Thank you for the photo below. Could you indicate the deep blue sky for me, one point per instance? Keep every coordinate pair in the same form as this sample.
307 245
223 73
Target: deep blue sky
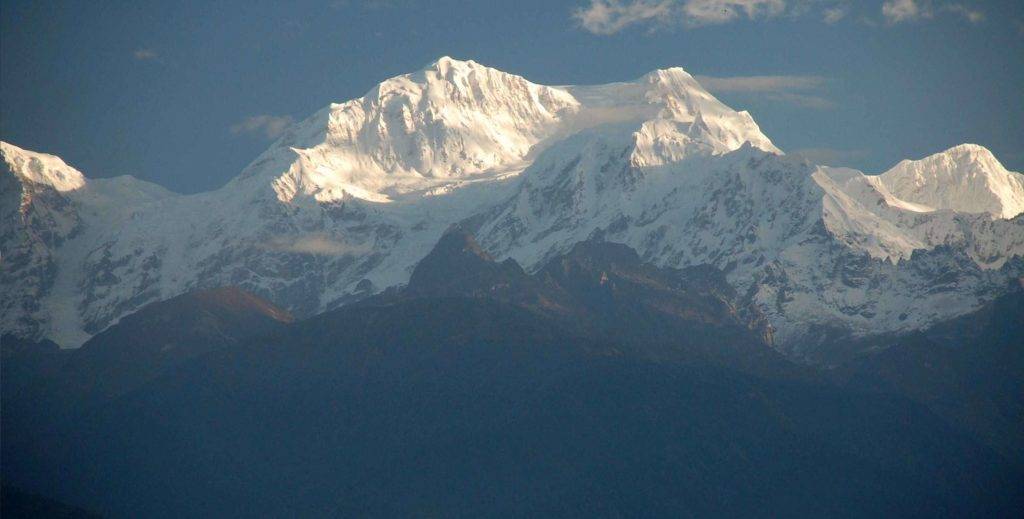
154 88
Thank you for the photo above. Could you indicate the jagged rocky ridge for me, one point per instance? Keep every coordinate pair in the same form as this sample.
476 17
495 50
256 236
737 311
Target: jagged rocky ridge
345 203
603 292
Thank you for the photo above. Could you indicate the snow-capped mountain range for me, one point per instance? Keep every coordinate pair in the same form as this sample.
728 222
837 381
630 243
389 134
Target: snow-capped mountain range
346 202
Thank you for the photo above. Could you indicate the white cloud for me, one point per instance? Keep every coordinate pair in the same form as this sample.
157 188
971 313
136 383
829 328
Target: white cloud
611 16
799 91
605 17
270 126
145 54
899 11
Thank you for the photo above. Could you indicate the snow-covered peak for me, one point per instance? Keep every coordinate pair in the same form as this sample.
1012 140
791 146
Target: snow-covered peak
456 121
452 120
673 112
676 85
684 99
41 168
966 178
446 64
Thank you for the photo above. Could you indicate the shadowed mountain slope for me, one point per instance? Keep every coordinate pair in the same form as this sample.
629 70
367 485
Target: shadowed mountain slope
483 390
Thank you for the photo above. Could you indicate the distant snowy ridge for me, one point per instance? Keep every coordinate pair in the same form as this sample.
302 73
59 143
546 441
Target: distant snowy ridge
459 120
346 202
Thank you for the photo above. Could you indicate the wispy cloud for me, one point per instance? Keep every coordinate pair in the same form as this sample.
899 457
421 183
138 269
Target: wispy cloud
606 17
611 16
833 15
810 101
800 91
142 54
903 11
760 83
900 11
269 126
830 156
316 244
970 14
